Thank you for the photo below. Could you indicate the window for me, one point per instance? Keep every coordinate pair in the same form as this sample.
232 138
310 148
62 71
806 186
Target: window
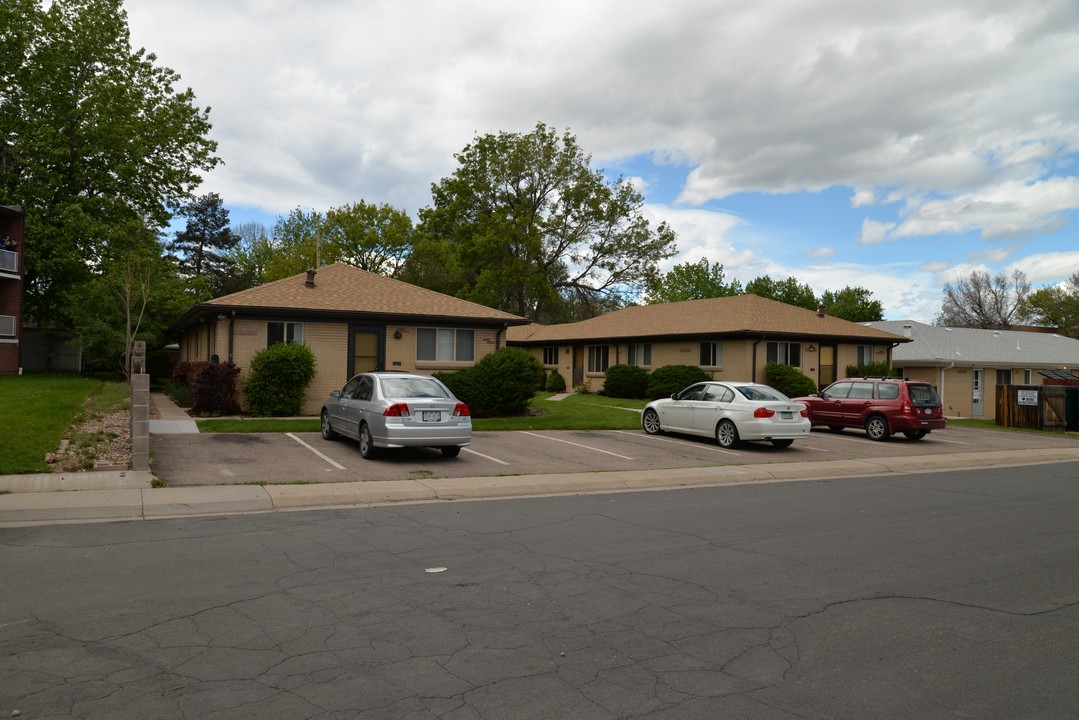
599 357
861 390
711 354
1004 377
865 354
1026 377
445 344
550 356
888 391
284 332
640 354
785 353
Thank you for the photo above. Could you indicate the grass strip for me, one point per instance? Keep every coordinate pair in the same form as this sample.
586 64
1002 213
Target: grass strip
36 411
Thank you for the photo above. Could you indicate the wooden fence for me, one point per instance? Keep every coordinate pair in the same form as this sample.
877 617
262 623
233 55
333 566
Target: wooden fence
1040 407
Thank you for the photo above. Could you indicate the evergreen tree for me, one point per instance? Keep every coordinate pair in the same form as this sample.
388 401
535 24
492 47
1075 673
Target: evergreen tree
202 249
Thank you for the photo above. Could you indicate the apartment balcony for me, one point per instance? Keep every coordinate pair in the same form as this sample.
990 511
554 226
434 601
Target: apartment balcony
9 262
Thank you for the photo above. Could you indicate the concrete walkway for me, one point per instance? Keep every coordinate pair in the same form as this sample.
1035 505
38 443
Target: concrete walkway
173 419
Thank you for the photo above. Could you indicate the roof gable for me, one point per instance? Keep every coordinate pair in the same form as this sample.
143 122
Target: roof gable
740 314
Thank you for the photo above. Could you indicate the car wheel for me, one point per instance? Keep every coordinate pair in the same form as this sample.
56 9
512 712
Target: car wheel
915 434
726 434
835 428
876 427
451 451
650 422
782 443
367 443
326 428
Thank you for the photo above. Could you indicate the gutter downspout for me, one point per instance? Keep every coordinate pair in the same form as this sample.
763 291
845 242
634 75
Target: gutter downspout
755 344
232 328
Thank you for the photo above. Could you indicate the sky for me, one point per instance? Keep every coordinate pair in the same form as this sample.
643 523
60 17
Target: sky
895 146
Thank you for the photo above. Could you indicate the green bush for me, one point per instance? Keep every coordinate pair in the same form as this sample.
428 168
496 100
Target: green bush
789 380
278 378
555 382
502 383
213 390
669 379
625 381
873 369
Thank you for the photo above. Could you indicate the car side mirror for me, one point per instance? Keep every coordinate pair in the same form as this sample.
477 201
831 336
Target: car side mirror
335 393
674 396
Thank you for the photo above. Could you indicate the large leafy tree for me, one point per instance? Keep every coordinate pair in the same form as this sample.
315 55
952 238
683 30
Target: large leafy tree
202 249
93 137
1057 306
788 291
692 281
376 238
295 244
249 257
526 225
852 303
983 301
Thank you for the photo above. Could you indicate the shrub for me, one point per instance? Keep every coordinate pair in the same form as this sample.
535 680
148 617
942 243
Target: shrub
669 379
625 381
789 380
278 378
183 374
502 383
555 382
213 390
873 369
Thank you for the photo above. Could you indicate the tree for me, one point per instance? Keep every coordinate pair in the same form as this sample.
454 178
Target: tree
692 281
852 303
981 301
201 249
249 258
376 238
93 136
294 244
533 230
1057 306
788 291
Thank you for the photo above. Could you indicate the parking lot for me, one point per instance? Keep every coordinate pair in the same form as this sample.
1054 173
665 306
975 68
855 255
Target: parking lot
217 459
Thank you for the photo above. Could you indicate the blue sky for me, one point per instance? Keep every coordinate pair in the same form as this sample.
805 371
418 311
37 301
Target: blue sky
893 146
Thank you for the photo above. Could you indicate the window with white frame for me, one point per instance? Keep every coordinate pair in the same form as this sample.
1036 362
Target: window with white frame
599 358
284 332
445 344
865 354
1026 377
640 354
550 356
711 354
785 353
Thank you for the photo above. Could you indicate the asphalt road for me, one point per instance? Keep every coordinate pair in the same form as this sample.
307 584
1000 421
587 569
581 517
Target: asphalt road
213 459
914 596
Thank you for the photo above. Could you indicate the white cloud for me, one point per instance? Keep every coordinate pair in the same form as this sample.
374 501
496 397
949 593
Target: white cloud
861 198
876 232
824 252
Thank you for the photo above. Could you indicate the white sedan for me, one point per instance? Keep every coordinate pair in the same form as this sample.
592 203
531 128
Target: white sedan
729 412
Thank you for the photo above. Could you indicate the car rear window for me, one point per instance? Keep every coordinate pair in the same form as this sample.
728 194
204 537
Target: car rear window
761 392
412 387
923 395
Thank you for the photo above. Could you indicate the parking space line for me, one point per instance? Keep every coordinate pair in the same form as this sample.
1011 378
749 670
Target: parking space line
486 457
331 462
586 447
953 442
679 442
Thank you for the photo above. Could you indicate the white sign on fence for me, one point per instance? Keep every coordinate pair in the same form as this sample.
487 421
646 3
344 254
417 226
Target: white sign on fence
1028 397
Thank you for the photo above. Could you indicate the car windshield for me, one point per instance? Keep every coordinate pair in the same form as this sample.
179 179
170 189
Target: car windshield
761 393
413 388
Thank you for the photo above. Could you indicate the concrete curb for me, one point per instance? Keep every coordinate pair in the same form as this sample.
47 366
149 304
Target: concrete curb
72 503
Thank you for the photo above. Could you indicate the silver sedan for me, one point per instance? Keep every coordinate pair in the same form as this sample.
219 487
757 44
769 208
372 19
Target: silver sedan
729 412
394 410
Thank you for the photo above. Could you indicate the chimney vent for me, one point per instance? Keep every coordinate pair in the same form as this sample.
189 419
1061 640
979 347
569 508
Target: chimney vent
310 281
820 310
906 330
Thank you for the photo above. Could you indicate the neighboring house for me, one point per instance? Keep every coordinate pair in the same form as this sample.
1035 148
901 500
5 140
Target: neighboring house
12 232
732 338
353 320
966 364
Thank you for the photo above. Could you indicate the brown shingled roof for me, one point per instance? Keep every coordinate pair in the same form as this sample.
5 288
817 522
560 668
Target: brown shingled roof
342 288
738 315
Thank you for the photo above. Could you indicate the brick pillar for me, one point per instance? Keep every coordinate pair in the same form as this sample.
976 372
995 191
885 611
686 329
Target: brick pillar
140 422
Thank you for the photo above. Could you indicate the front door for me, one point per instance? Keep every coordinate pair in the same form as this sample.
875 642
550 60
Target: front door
365 349
976 392
826 368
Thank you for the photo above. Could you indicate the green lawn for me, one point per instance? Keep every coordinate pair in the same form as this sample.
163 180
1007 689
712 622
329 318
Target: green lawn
576 412
35 412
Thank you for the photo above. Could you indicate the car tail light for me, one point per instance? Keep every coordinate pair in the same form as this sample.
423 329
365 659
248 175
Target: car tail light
763 412
805 412
397 410
907 409
462 410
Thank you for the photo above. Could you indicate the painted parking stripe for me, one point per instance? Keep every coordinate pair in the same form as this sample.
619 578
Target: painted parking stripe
953 442
586 447
486 457
331 462
678 442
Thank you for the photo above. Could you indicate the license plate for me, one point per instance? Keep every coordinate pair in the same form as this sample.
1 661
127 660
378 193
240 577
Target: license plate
786 415
431 416
929 411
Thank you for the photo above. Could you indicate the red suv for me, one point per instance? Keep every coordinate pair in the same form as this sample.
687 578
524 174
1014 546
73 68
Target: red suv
881 405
